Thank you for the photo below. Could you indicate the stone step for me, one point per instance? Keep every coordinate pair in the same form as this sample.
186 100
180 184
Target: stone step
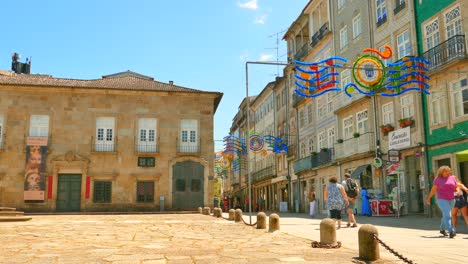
7 209
14 218
11 213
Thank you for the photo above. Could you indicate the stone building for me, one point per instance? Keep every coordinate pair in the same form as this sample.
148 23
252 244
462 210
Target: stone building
124 142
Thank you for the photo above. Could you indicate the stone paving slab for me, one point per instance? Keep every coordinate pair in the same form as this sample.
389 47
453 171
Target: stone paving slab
156 238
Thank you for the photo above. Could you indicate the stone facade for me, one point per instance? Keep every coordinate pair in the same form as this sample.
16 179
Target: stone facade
73 107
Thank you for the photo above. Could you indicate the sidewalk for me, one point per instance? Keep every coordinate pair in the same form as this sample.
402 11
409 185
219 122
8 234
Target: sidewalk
415 237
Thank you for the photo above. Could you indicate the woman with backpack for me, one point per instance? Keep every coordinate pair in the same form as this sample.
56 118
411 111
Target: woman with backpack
352 190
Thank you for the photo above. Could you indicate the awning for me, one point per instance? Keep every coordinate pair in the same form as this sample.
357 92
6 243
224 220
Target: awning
357 172
462 156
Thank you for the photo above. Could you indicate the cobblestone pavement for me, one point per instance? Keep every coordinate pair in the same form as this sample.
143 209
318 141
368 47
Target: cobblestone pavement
156 238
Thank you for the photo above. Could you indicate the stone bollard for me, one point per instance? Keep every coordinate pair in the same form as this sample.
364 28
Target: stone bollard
368 245
238 216
206 210
232 213
200 210
261 220
328 232
274 224
217 212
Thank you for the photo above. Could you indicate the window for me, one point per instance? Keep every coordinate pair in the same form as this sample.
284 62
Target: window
381 11
145 191
387 114
330 102
39 126
357 26
301 118
407 106
102 192
344 37
453 23
345 78
311 145
403 43
382 49
460 98
146 162
432 34
303 150
331 137
188 136
322 139
362 124
438 112
146 135
341 3
105 134
195 185
348 128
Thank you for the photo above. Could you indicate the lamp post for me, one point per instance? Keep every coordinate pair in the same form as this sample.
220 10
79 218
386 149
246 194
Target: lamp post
248 123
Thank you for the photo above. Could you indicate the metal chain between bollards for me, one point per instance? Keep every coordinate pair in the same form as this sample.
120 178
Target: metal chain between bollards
248 223
398 255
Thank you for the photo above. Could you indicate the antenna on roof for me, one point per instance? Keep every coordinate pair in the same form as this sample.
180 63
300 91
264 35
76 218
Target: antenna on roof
277 48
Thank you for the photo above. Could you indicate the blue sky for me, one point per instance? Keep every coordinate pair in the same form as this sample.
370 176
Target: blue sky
197 44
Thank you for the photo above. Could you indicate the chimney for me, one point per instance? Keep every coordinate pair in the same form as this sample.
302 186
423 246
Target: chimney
19 67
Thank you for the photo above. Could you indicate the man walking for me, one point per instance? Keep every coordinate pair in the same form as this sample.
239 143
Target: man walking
352 190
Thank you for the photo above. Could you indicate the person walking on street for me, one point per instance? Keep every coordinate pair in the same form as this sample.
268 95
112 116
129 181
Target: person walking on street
335 198
352 191
461 204
445 185
312 202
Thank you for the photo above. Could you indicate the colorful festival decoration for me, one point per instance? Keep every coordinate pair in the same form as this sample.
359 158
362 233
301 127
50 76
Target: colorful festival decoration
235 149
371 75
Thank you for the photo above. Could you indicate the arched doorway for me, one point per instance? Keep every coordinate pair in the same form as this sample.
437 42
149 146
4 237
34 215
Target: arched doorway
187 185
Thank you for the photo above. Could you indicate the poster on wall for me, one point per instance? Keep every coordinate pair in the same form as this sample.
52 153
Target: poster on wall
34 173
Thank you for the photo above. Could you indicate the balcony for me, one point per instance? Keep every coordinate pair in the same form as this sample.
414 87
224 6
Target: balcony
399 7
320 34
189 147
357 145
341 100
314 160
263 174
450 50
145 146
103 145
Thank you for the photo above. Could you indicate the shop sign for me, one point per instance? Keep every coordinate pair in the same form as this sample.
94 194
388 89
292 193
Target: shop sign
400 138
394 155
377 162
393 167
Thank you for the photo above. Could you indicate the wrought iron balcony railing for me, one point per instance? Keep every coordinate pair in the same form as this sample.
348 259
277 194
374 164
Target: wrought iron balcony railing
316 159
266 173
189 147
452 49
302 52
103 146
399 7
145 146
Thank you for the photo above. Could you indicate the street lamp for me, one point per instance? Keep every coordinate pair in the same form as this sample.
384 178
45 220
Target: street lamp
248 123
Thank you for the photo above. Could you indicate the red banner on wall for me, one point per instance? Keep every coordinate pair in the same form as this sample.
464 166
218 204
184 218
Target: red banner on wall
49 186
88 186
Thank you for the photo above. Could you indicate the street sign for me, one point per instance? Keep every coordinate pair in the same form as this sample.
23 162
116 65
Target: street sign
394 155
377 162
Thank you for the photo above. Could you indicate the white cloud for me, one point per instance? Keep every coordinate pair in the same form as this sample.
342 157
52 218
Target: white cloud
261 19
252 4
265 57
